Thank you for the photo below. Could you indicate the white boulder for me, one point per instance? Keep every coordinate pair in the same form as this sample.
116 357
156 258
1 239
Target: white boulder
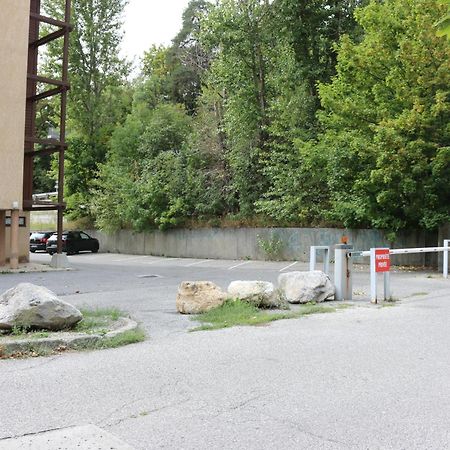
304 287
195 297
30 306
259 293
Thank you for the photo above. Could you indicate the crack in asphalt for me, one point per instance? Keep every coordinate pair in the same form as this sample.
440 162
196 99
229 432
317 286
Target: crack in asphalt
105 419
147 412
34 433
244 403
225 410
298 427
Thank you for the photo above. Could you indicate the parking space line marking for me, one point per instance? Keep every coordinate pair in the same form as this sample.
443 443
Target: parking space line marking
238 265
287 267
154 261
169 259
129 259
196 263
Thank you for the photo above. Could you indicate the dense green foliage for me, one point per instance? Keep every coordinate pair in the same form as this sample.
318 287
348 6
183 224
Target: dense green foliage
382 157
99 96
326 112
443 24
398 102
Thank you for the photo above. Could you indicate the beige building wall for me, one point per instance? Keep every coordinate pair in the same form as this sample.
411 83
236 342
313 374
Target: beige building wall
14 25
14 30
24 239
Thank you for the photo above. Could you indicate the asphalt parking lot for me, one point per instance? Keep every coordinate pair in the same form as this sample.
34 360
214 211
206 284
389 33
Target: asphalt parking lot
366 377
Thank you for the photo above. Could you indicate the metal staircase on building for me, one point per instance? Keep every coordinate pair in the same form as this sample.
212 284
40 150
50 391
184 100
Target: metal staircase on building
38 89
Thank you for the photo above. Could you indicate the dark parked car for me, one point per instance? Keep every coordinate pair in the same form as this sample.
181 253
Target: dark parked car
38 240
73 242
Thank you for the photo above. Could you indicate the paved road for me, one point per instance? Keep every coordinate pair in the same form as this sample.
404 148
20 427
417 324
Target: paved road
367 377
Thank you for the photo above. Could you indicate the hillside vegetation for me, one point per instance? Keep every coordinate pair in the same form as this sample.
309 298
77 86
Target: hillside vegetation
262 112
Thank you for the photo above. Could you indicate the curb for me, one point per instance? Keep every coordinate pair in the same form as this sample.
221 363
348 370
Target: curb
32 268
71 342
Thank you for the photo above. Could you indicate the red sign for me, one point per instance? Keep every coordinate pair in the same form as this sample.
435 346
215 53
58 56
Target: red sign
382 261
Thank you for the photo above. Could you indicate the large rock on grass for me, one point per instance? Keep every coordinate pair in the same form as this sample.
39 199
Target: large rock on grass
31 306
259 293
195 297
304 287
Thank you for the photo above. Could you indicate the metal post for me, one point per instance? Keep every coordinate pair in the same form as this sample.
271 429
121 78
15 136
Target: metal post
312 258
62 131
445 259
343 272
387 286
2 238
373 277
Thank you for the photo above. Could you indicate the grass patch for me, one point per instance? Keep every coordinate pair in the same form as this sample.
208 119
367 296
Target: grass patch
111 313
126 338
235 312
95 325
97 320
24 333
33 350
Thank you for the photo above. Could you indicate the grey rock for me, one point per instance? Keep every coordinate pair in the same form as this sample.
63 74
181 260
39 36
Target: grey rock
304 287
31 306
259 293
195 297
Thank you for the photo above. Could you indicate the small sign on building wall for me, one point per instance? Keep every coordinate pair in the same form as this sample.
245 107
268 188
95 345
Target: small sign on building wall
382 260
22 221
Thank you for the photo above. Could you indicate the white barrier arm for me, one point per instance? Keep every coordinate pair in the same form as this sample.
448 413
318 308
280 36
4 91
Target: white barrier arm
405 251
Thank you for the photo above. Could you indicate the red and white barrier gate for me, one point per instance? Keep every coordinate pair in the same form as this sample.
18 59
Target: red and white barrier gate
380 262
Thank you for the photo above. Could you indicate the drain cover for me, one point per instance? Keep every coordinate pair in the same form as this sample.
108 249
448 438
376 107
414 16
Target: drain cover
151 275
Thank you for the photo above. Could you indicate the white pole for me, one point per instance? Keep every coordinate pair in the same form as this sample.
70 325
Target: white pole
312 258
445 260
373 277
387 286
326 261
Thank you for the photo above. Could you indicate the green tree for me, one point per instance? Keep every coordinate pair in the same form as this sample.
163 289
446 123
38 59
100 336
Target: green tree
313 29
188 58
174 73
237 33
304 55
387 120
98 97
142 183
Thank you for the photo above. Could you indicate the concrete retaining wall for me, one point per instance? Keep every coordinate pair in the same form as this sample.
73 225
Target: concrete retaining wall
248 243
